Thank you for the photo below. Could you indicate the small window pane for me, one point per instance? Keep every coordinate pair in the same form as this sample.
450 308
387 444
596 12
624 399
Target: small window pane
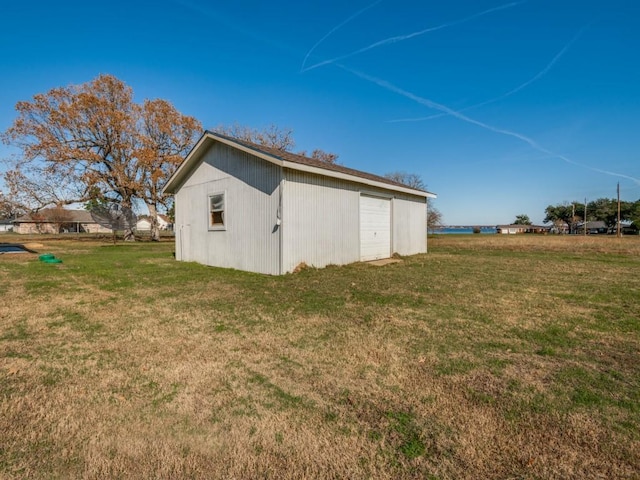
216 210
217 218
217 202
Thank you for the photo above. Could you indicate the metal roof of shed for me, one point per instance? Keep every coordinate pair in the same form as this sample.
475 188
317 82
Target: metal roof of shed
288 160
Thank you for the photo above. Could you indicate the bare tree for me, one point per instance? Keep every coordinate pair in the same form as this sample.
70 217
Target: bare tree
34 186
9 208
322 156
434 217
413 180
272 136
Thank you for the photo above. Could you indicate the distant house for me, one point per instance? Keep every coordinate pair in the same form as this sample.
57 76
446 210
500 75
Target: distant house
6 225
144 223
517 229
58 220
630 229
246 206
626 228
560 227
593 228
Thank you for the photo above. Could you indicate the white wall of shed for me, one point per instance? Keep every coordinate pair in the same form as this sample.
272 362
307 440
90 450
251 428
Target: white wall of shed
320 221
251 239
409 225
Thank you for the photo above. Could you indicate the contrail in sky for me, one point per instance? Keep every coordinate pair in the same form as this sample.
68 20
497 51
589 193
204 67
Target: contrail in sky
454 113
537 76
337 27
400 38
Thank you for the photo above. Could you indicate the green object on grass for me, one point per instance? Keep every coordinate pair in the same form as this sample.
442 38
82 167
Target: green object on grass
49 258
52 260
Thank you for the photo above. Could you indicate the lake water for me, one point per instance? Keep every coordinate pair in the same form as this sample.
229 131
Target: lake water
461 230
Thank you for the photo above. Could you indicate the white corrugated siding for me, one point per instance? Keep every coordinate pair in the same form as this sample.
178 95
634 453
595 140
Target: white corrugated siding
375 228
251 240
409 225
320 221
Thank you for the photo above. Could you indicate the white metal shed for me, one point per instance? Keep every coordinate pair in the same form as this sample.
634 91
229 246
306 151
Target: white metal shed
246 206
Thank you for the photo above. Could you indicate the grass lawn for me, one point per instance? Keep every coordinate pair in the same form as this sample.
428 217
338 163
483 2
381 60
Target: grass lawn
489 357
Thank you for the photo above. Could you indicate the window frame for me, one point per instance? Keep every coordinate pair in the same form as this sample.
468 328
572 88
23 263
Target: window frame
210 211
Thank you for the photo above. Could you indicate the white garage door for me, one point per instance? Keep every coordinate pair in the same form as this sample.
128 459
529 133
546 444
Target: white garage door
375 228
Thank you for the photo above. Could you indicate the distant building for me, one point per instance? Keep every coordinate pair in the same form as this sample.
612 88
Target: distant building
516 229
144 223
58 220
560 227
6 225
593 228
626 228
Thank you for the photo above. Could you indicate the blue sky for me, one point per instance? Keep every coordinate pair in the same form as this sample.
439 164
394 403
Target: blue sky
502 107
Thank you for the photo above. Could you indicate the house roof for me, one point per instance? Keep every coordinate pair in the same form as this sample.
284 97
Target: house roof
49 215
527 227
286 160
594 224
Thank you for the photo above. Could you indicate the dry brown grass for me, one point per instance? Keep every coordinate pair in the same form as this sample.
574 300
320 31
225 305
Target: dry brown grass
629 244
467 362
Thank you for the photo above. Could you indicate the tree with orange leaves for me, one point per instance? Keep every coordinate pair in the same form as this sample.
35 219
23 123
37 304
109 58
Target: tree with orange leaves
166 137
96 141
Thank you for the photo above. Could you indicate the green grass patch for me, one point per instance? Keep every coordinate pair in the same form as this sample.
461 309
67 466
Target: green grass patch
18 331
405 426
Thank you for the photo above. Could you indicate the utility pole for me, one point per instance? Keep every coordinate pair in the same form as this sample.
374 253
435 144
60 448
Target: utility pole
585 215
618 223
573 216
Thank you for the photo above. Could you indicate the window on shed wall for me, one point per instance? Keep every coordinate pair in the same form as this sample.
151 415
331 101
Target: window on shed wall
217 211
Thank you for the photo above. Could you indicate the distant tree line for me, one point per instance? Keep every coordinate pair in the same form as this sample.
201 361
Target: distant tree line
602 209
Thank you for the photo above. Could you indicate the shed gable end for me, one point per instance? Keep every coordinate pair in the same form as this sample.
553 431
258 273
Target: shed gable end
245 193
